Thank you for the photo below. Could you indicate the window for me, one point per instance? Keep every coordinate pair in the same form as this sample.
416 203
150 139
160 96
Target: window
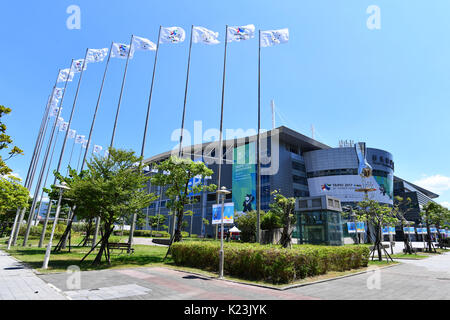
300 180
298 166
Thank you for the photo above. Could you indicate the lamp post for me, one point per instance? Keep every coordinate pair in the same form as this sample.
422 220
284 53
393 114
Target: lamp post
63 186
222 192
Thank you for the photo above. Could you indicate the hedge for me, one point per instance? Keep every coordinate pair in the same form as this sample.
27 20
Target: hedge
270 263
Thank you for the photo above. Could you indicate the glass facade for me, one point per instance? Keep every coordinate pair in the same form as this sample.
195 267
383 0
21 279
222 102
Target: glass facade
319 227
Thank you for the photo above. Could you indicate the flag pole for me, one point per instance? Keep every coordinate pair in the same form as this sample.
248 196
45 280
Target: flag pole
220 151
70 158
34 160
185 95
121 93
133 219
96 107
44 164
20 213
258 162
45 180
58 207
79 157
47 216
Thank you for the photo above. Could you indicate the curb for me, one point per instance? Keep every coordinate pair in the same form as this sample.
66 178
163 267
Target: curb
287 287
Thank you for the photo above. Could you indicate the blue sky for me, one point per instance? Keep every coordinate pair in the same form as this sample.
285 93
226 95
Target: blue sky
387 87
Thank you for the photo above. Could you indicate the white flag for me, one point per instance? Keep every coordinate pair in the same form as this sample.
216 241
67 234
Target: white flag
172 35
240 33
79 138
72 133
143 44
203 35
77 65
64 126
65 75
96 55
120 50
54 102
57 94
85 144
97 148
273 37
54 111
60 121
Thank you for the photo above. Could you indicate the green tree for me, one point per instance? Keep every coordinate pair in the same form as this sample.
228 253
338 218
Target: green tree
400 208
284 208
378 215
156 221
175 174
12 196
111 188
246 222
5 143
434 213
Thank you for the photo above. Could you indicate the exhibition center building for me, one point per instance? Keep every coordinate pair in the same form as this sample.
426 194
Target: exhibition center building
322 179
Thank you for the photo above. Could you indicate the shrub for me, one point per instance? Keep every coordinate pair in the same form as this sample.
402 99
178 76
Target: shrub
270 263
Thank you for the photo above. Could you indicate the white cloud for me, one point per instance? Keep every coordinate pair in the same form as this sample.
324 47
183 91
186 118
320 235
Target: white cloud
437 183
445 204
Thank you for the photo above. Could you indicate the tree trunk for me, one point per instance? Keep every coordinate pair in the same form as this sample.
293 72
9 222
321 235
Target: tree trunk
103 246
378 242
178 236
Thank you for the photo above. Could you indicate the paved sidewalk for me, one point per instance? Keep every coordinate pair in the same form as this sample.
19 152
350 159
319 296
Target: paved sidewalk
17 282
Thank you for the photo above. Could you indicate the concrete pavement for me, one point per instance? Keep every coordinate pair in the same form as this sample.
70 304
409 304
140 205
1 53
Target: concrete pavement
412 279
17 282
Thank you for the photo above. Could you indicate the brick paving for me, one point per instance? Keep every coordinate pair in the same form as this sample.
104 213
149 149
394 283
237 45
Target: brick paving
412 279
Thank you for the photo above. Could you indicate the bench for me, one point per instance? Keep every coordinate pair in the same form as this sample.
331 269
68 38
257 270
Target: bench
120 246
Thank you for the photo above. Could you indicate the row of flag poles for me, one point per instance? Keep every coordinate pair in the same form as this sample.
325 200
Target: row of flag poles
166 35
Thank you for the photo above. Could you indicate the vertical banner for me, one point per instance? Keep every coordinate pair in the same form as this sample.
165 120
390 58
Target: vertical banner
351 227
360 227
244 177
392 230
385 230
228 213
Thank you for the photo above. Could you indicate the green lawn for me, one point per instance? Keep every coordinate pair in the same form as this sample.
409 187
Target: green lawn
143 256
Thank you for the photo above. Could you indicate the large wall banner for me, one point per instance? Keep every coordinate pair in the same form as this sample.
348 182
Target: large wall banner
343 187
244 177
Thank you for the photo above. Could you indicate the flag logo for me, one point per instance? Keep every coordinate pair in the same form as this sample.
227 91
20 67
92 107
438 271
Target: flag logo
240 33
326 187
172 35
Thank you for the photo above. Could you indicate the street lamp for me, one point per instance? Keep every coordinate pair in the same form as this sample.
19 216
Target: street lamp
222 192
63 186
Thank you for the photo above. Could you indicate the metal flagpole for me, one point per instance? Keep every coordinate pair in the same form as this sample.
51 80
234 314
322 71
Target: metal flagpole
71 153
58 208
258 164
47 216
79 157
44 164
33 162
185 95
49 207
220 151
133 219
121 93
96 107
45 180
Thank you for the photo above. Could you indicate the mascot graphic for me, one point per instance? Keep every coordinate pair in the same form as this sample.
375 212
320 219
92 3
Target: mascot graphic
248 203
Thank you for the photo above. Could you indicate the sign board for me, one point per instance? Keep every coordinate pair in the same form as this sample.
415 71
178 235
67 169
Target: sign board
392 230
360 227
228 213
351 226
385 230
433 230
344 188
